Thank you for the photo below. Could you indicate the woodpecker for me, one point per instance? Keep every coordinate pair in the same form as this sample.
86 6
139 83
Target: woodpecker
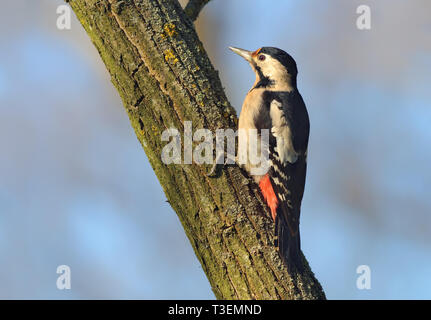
274 103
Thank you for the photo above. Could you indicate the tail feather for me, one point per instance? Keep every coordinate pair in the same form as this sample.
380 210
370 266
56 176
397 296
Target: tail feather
289 245
288 241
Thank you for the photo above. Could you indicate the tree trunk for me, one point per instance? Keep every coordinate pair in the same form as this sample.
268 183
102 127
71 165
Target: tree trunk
164 78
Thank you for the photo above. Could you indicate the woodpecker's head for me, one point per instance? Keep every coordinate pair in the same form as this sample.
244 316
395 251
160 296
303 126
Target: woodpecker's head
275 69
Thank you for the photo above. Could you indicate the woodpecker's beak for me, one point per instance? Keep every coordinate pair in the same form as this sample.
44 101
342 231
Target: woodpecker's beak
247 55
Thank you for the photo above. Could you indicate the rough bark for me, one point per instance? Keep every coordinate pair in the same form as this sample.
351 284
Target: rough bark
164 78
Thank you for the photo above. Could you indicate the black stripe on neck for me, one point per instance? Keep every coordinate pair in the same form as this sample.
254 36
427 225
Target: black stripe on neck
264 82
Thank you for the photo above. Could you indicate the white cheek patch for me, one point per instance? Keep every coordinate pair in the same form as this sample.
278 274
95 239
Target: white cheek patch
273 69
281 131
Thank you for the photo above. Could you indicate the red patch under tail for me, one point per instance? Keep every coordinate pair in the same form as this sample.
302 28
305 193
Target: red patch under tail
269 194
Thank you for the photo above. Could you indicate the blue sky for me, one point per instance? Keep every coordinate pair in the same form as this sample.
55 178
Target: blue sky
76 187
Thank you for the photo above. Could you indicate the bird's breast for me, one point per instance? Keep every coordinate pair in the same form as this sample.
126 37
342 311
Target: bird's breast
253 114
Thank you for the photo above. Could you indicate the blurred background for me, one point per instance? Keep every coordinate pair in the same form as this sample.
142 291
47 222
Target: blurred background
76 187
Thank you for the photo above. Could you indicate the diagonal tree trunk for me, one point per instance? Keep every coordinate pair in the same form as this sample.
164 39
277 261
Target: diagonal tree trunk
165 78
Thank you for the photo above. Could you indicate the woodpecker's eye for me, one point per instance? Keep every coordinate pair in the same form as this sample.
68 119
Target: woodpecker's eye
261 57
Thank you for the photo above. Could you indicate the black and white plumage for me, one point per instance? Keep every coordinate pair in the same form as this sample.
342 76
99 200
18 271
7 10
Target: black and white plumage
274 103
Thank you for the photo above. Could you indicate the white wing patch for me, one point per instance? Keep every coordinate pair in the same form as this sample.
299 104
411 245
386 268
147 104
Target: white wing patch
281 131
